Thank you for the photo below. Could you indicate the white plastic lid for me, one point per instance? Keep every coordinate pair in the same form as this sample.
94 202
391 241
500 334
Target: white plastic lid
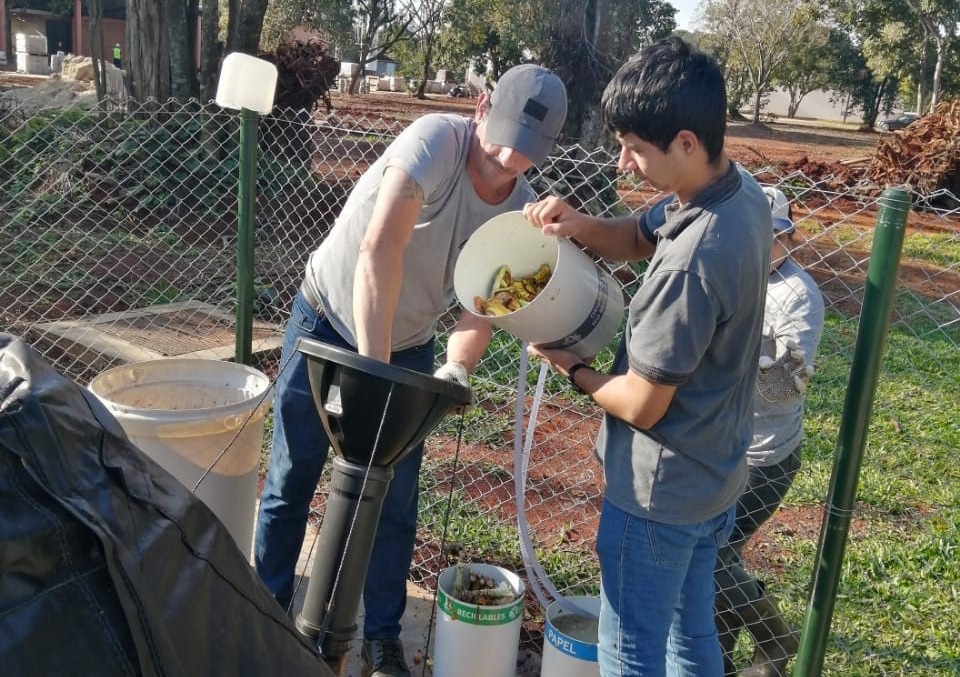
247 82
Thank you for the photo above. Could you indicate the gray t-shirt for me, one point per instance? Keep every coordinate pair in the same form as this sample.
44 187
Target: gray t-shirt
695 323
433 151
794 311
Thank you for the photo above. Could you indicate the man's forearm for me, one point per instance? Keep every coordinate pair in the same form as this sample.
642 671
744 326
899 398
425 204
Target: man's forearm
468 341
615 239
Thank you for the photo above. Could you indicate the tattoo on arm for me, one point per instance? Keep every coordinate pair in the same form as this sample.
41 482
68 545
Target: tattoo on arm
411 190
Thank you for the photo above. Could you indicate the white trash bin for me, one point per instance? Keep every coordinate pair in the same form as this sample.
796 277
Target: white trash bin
183 413
476 640
570 639
580 309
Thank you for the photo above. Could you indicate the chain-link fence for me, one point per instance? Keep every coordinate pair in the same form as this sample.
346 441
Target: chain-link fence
117 243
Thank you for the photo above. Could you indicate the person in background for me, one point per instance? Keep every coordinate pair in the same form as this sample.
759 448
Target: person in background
678 402
377 285
792 327
116 55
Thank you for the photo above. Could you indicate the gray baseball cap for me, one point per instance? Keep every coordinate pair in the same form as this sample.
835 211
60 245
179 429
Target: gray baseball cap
527 111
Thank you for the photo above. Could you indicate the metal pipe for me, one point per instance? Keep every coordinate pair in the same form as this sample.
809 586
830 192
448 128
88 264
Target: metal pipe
246 209
867 354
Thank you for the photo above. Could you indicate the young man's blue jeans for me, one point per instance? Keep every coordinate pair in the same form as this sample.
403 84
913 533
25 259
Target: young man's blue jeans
656 587
299 452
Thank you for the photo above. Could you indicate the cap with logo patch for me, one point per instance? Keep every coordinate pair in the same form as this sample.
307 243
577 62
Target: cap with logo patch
527 111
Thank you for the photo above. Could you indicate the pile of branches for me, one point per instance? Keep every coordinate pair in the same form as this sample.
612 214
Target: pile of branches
925 155
305 74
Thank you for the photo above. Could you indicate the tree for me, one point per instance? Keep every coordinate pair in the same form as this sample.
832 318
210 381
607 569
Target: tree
97 47
379 25
588 40
492 35
762 34
160 52
427 22
333 19
855 84
181 21
210 49
805 70
249 25
147 55
938 19
881 53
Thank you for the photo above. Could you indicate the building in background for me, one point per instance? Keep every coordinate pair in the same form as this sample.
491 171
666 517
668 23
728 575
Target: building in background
68 33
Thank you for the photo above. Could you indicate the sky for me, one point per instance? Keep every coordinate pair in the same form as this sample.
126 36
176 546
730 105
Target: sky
685 11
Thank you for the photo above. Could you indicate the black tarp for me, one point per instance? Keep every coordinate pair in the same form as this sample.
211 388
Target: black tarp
108 566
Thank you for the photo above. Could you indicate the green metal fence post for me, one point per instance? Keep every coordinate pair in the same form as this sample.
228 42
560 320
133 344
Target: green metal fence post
247 84
246 209
871 335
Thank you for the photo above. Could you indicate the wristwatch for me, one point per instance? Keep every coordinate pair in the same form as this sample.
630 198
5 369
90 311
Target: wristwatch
570 376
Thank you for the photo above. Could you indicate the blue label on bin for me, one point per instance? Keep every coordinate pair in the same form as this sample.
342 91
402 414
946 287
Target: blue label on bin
590 322
570 646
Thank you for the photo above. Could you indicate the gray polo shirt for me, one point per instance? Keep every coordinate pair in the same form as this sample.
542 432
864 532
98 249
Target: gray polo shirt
433 151
694 323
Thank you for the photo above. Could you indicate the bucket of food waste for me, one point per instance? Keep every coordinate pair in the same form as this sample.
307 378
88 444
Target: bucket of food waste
570 638
479 610
540 288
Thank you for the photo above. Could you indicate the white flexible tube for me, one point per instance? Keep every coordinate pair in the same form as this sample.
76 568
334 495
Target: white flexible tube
537 577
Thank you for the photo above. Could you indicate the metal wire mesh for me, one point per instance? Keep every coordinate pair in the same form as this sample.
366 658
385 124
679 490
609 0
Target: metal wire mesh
117 242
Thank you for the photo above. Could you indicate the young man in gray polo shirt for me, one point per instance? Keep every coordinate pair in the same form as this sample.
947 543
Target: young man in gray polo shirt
377 285
678 402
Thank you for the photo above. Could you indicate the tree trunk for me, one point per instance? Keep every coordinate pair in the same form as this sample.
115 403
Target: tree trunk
250 25
97 48
209 50
794 105
922 74
183 77
427 58
233 21
756 106
148 57
937 73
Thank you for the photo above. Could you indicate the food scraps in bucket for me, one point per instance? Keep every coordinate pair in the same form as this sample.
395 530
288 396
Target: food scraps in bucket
509 294
473 588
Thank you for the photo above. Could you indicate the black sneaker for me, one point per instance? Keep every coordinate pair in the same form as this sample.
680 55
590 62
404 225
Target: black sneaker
383 658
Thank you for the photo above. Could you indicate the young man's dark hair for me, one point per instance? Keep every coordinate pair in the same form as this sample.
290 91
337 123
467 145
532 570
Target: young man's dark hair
669 86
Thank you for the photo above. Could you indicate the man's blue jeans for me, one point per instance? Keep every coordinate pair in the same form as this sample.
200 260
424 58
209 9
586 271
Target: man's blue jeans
300 446
656 587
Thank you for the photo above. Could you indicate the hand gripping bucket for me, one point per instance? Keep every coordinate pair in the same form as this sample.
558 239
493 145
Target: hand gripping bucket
581 307
474 640
570 639
183 413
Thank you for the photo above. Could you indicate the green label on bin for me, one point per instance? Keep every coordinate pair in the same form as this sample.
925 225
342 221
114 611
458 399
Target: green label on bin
475 614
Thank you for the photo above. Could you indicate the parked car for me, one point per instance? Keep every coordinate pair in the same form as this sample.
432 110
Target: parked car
899 122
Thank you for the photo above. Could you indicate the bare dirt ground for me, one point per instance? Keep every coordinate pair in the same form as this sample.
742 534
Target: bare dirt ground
777 143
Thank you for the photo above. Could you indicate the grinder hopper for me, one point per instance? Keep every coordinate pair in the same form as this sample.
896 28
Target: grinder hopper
374 414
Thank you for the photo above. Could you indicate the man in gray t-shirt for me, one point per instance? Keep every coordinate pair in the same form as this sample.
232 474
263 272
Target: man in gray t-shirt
678 403
377 285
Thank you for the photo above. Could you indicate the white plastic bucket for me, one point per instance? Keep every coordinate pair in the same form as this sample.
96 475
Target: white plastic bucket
570 639
581 307
473 640
183 413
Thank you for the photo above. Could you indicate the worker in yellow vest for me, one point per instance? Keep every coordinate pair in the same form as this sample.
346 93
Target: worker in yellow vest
116 55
